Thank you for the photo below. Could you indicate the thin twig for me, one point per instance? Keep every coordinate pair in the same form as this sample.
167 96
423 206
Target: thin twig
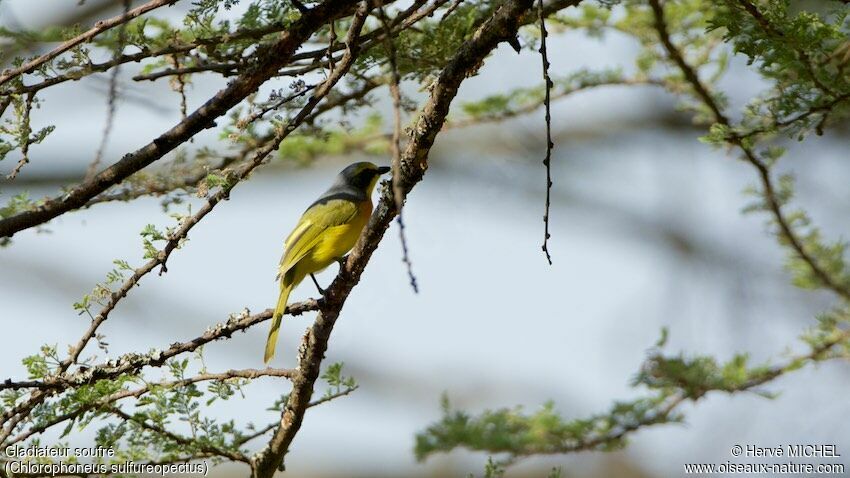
513 112
178 84
25 133
131 364
138 392
824 109
773 202
547 161
86 36
179 48
189 442
262 431
332 396
226 69
331 43
395 146
450 10
111 99
263 110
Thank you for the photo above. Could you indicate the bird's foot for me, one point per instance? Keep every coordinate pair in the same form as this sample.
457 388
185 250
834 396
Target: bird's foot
318 287
342 261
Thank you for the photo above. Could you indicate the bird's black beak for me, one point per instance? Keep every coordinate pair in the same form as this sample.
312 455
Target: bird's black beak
383 169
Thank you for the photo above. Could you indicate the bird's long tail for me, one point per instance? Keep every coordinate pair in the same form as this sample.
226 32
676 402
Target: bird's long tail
285 289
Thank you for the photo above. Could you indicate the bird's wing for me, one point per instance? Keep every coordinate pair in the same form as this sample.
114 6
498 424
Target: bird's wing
313 223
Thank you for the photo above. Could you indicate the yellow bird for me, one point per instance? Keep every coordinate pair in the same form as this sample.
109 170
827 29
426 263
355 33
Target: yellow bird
326 231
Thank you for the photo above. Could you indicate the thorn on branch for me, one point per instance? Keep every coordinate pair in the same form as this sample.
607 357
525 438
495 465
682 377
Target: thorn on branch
514 43
547 161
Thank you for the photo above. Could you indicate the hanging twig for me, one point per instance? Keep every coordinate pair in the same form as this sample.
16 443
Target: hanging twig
110 102
26 130
451 10
549 144
395 145
331 46
178 84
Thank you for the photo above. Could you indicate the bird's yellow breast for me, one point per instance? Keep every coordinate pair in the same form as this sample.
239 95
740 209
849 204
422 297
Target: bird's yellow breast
336 241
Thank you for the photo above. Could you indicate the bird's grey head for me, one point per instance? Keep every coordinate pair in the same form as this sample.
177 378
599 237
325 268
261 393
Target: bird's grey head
360 175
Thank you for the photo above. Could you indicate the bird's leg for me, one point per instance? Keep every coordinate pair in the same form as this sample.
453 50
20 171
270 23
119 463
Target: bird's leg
321 291
342 260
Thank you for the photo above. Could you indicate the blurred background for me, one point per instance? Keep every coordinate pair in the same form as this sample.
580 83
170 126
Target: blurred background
647 232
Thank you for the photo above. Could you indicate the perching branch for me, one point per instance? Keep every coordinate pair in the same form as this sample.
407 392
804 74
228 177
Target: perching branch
501 26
